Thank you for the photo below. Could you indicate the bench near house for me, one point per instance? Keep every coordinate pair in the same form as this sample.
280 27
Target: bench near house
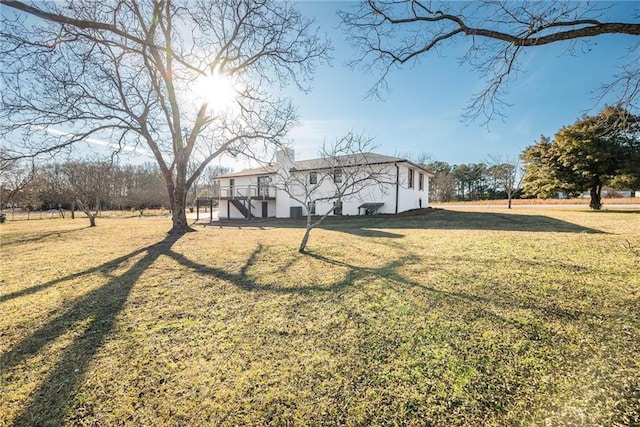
258 192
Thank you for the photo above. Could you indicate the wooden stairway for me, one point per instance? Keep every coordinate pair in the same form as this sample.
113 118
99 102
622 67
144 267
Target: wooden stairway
242 208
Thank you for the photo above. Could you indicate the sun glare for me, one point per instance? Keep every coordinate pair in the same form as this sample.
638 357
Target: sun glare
218 91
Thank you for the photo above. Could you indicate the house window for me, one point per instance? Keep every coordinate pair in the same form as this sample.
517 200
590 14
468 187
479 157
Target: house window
313 177
312 208
410 178
420 182
337 208
337 175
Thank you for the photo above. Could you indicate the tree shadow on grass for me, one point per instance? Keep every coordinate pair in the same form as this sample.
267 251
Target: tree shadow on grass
391 275
424 219
105 268
98 309
242 279
40 236
489 221
93 317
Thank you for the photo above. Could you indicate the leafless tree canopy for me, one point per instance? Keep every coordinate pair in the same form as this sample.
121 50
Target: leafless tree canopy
390 33
15 176
129 72
88 184
506 173
344 170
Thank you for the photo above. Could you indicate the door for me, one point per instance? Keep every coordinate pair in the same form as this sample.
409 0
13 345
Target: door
265 209
232 183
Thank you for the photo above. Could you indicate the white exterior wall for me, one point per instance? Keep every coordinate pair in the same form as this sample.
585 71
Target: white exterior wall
375 193
408 198
284 164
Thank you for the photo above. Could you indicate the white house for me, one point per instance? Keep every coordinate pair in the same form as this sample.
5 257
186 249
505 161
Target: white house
287 188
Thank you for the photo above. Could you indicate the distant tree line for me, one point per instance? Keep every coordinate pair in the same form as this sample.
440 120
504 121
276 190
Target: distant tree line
84 185
91 186
593 153
496 179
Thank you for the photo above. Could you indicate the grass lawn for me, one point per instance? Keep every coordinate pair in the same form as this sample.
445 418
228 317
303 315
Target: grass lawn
477 317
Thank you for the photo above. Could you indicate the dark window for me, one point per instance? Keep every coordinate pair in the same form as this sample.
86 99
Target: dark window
295 211
312 208
337 175
410 178
313 178
337 208
420 182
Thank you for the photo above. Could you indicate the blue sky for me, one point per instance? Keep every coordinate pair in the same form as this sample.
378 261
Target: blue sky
423 112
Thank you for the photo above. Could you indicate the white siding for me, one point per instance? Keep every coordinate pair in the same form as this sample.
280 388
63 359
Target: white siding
394 189
284 163
385 192
410 198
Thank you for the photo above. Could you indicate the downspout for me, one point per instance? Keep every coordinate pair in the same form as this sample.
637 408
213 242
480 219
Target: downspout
397 185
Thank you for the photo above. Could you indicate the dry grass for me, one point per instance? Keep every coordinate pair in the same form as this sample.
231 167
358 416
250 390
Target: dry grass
582 201
23 215
453 318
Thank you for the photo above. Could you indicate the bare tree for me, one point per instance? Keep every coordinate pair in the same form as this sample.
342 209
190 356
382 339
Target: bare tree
189 80
506 173
442 186
390 33
143 187
88 183
53 190
345 169
15 177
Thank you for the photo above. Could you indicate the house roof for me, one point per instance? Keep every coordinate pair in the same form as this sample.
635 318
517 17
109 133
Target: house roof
352 160
331 162
262 170
346 160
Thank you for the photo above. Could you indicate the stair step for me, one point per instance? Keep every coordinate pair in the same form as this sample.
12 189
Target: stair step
242 208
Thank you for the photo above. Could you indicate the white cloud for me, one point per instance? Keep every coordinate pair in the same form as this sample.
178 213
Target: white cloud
95 141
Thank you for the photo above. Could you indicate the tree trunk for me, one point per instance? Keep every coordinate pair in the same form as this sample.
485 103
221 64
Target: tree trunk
178 212
307 231
305 238
596 198
509 201
85 209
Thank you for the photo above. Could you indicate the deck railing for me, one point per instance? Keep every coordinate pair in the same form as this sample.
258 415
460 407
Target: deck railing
245 192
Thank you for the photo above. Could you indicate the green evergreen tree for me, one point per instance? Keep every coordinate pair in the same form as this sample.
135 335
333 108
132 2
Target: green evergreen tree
591 153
